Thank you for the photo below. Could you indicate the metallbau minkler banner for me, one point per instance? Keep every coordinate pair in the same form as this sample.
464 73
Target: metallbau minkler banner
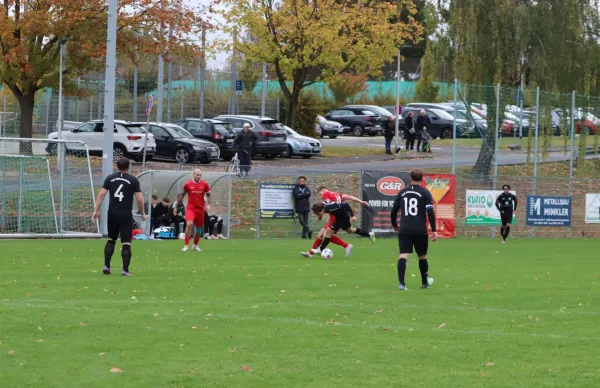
548 210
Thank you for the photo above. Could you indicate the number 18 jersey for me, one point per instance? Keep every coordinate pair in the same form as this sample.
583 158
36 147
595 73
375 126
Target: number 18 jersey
121 187
413 202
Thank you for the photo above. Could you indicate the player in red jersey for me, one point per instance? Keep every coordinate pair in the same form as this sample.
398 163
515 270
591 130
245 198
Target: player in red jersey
196 189
331 196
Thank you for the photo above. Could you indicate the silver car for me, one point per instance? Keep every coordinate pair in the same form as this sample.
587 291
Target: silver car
299 145
329 128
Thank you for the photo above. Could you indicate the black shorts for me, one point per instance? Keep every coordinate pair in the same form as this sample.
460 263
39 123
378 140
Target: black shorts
506 216
419 241
342 221
119 224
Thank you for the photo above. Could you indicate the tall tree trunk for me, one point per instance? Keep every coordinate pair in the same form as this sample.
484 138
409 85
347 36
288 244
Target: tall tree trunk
26 104
292 103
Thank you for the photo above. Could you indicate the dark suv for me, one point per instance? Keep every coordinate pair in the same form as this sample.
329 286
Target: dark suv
360 119
271 137
441 122
216 131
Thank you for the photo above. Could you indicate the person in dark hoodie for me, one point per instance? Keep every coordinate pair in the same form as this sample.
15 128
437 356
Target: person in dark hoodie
409 131
422 122
388 134
302 197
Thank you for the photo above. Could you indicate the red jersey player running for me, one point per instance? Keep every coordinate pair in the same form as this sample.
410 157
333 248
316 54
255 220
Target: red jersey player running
331 196
196 189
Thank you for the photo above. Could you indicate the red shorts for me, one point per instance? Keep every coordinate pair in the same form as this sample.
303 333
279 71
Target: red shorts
196 216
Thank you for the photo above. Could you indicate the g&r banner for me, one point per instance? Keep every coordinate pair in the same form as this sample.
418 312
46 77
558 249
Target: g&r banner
380 190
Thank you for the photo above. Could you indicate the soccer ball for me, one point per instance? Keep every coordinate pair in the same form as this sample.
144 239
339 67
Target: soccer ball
327 254
181 236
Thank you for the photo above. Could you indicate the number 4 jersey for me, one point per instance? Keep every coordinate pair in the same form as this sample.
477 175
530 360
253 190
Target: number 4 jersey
413 203
121 187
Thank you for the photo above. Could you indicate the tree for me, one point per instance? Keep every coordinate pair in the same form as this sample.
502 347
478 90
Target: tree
344 86
31 33
426 90
308 40
249 73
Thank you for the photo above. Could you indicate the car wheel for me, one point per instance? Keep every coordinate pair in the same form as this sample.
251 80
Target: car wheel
446 133
331 137
290 152
51 149
268 156
321 135
206 161
118 153
358 130
182 155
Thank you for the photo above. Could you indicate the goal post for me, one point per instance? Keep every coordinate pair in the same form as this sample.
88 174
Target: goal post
47 189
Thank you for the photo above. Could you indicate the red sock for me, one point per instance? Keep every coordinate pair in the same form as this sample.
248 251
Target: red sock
196 239
187 241
317 243
338 241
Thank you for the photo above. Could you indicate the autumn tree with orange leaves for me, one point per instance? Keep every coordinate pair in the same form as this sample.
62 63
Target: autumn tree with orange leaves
31 33
307 41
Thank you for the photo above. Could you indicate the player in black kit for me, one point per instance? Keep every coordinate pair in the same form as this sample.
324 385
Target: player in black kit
122 187
506 203
415 205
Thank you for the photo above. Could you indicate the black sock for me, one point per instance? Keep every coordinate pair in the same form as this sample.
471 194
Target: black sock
324 244
507 232
401 270
361 232
126 255
424 267
109 249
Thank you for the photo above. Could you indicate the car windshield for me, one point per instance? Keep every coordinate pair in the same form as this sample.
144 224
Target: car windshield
223 128
381 111
442 114
289 130
177 132
271 125
134 128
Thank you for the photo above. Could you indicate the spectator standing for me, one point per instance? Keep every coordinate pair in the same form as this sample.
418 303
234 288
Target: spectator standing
244 144
422 122
302 201
388 134
409 131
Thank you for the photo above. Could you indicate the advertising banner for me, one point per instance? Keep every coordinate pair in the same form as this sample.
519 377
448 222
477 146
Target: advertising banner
592 208
380 190
481 207
276 200
548 210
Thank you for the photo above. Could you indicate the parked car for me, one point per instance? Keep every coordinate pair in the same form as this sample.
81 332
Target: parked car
128 140
583 119
442 122
332 129
359 119
477 125
272 140
174 142
299 145
215 131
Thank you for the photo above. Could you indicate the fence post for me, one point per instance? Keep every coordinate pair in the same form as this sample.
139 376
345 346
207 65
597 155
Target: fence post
47 113
229 207
68 199
454 129
149 209
312 199
160 89
535 147
62 185
91 108
257 222
20 205
572 150
360 196
201 70
135 93
99 113
277 109
263 98
496 133
4 193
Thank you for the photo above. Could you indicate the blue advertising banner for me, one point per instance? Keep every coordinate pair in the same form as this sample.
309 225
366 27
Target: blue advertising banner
276 200
548 210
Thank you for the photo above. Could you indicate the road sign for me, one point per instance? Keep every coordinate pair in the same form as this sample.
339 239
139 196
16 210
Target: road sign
238 92
149 104
238 86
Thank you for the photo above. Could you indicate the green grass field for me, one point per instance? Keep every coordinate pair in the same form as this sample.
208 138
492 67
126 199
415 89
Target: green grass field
254 314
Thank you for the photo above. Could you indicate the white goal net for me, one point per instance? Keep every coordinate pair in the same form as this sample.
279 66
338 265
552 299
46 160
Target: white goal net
46 189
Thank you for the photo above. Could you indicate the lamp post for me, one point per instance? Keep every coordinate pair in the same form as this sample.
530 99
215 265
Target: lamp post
398 83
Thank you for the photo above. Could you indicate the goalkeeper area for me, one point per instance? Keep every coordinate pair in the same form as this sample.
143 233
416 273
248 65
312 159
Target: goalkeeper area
253 313
46 189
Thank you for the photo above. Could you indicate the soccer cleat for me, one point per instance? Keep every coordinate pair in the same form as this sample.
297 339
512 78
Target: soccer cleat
402 287
222 237
106 270
208 237
428 284
316 251
503 241
348 250
307 254
196 248
126 273
372 237
185 248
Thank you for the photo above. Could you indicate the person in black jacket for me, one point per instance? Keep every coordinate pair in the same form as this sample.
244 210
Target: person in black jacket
244 144
422 122
409 131
388 134
302 197
160 214
506 203
176 214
